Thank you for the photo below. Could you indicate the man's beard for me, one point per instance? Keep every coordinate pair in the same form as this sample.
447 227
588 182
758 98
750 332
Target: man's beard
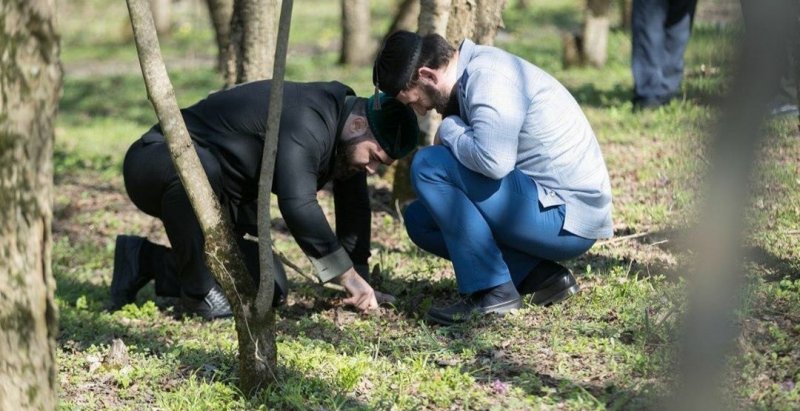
342 168
438 99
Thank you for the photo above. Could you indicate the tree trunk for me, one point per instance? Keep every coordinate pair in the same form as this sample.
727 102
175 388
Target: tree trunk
162 15
477 20
221 12
253 325
30 85
591 45
626 10
595 32
406 17
356 44
268 349
252 47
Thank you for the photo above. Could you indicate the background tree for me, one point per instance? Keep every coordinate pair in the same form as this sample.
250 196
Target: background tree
221 12
162 15
591 45
252 45
405 18
30 85
356 44
250 303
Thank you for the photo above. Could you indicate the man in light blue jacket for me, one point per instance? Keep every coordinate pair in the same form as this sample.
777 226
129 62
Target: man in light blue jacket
515 182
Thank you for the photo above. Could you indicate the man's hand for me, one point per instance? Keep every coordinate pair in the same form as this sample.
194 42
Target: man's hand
362 296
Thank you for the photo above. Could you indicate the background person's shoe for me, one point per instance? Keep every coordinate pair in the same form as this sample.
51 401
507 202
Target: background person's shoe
557 283
213 305
497 300
126 280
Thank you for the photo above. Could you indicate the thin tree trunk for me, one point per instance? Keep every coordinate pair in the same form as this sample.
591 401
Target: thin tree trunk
626 10
595 32
715 288
406 18
162 16
221 12
433 17
477 20
356 44
222 255
30 75
253 29
268 349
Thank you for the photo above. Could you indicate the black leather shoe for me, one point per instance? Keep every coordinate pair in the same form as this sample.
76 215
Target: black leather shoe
213 305
126 280
558 284
498 300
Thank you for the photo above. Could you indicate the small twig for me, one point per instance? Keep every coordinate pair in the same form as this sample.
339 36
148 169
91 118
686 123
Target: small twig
624 238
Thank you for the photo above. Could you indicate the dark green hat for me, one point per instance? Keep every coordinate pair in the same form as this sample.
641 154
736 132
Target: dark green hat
393 124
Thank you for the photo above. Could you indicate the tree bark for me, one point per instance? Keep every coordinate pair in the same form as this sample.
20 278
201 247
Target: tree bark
591 45
356 44
162 15
268 349
626 11
477 20
595 32
221 12
253 325
252 47
406 17
30 85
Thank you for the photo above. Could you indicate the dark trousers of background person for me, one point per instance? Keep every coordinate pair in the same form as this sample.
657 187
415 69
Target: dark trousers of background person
154 187
660 31
786 96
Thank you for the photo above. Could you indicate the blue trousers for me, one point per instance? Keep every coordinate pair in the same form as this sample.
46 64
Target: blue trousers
660 33
494 231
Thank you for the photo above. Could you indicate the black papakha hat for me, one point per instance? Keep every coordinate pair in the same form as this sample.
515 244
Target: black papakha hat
393 124
396 61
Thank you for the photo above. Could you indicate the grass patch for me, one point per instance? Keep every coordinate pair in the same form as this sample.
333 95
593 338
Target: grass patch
611 346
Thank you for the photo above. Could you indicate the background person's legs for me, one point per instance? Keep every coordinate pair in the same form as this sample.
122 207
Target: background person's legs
648 52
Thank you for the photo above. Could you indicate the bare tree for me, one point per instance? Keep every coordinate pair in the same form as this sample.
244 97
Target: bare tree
221 12
31 76
715 288
162 15
477 20
250 303
252 45
356 43
405 18
591 45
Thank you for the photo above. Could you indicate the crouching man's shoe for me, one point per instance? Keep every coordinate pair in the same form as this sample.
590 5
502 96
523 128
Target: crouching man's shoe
213 305
126 280
550 283
498 300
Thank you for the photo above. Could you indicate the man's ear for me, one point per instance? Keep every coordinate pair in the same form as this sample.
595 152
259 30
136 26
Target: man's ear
428 74
359 125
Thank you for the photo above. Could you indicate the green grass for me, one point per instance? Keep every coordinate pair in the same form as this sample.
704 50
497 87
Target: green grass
611 346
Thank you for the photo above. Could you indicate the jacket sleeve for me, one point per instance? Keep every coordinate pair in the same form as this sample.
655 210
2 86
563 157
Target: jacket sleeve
496 110
295 184
353 216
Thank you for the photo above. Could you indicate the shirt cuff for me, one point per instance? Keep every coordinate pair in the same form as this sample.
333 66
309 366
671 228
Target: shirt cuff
451 128
332 265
